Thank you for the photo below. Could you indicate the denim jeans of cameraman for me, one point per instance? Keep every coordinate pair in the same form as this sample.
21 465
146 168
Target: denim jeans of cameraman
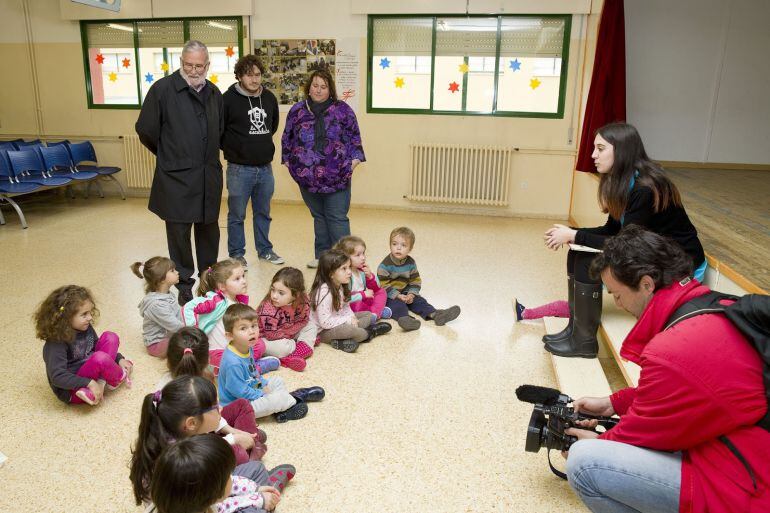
613 477
244 183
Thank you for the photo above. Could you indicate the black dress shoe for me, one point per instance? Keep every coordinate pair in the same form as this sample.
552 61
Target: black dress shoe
296 412
378 329
310 394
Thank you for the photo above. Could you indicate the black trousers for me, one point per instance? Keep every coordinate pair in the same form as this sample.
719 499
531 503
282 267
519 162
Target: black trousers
578 264
180 249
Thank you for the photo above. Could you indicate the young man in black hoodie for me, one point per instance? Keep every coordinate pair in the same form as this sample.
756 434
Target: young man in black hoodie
250 119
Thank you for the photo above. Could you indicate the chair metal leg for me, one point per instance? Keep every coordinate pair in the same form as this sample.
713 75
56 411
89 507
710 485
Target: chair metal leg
71 191
98 186
2 219
120 186
17 209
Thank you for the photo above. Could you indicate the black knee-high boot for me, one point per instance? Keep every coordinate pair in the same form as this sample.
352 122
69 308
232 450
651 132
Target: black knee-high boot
566 332
587 315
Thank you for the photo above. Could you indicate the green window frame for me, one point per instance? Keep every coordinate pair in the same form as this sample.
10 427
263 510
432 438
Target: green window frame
418 40
134 29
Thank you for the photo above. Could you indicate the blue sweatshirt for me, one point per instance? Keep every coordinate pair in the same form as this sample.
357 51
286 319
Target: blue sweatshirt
239 377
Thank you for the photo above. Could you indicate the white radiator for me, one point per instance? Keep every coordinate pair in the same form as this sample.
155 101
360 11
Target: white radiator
140 163
473 175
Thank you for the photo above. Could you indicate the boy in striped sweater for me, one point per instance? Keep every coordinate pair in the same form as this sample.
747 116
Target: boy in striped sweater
399 277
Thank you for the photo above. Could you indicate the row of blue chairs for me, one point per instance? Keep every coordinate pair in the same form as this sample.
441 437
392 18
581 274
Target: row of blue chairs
31 166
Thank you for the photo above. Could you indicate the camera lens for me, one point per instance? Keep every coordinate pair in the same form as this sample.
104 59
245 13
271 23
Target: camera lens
535 432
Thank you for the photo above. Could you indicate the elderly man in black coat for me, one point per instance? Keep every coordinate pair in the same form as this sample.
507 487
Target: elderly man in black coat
181 122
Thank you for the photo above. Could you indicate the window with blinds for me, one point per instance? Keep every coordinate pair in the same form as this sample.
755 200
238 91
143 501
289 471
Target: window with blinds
485 65
124 58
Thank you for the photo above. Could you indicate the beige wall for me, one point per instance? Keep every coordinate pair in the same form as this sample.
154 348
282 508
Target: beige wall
542 169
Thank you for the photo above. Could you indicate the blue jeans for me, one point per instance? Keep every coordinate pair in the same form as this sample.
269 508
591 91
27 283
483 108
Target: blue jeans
244 183
612 477
330 217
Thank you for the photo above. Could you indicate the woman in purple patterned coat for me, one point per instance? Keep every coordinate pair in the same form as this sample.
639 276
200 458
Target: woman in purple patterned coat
321 145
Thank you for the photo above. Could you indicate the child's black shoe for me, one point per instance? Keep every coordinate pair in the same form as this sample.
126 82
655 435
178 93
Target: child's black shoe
346 344
375 330
296 412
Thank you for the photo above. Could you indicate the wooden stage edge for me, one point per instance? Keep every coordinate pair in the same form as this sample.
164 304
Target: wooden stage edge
740 280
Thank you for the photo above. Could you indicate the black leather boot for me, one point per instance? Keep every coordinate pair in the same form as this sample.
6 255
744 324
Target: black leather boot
566 332
587 316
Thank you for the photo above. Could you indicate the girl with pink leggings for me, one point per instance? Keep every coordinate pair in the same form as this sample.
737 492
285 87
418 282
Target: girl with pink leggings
79 363
555 309
365 292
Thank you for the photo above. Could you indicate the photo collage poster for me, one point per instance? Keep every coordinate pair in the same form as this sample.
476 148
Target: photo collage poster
288 62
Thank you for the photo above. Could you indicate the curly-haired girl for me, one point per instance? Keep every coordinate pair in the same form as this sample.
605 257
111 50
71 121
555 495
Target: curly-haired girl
78 362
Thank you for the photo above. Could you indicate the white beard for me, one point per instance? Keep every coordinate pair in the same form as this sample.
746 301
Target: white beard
193 82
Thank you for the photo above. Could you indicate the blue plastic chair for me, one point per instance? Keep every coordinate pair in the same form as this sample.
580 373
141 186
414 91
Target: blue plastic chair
56 161
9 187
64 143
20 144
84 152
28 168
7 146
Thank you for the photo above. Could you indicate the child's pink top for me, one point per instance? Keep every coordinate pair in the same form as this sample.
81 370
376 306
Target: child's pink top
324 315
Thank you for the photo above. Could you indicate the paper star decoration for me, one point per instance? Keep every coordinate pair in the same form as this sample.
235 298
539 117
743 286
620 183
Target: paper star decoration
164 66
399 82
214 78
100 58
148 78
515 65
454 87
229 51
113 76
534 83
384 63
126 62
463 68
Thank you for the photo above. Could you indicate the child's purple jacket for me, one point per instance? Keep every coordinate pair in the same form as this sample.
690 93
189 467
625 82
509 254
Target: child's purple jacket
329 171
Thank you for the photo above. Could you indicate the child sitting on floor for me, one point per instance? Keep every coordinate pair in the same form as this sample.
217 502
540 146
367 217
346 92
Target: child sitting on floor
159 308
188 355
330 310
399 277
184 408
239 375
196 475
223 284
78 362
365 291
284 320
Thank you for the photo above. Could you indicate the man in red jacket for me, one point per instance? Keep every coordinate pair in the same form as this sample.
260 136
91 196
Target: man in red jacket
700 391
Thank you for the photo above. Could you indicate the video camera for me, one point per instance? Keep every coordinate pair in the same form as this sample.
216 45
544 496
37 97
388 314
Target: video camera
551 416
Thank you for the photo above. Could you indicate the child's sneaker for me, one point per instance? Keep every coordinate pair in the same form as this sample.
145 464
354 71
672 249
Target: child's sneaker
387 313
294 363
296 412
346 344
268 364
85 395
442 317
518 309
280 476
408 323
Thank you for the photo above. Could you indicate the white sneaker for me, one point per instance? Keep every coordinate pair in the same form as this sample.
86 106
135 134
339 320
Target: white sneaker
313 264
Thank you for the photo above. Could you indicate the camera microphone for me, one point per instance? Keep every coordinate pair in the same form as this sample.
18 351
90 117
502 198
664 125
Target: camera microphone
541 395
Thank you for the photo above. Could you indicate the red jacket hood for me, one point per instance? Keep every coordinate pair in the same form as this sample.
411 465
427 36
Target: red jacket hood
663 303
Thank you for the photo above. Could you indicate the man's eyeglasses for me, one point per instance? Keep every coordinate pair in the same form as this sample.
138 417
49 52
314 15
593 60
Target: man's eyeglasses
197 67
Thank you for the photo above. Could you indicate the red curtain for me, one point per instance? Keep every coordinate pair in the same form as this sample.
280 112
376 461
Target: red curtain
607 96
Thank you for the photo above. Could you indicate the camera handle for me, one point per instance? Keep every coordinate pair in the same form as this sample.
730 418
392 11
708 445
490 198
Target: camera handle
557 472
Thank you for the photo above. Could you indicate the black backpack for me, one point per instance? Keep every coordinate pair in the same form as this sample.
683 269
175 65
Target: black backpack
750 314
